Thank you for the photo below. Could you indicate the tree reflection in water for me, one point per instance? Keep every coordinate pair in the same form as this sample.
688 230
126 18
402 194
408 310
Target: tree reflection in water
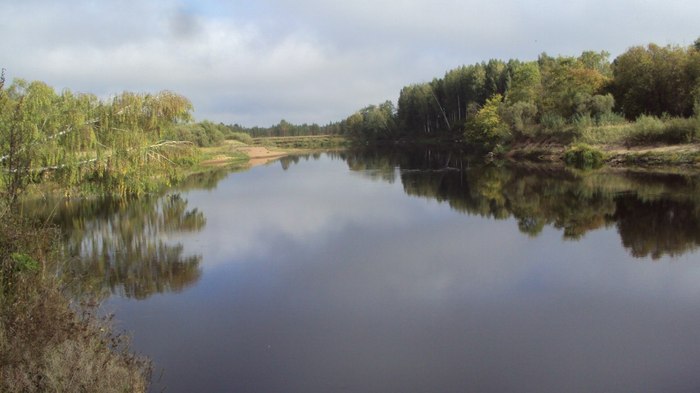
120 246
655 214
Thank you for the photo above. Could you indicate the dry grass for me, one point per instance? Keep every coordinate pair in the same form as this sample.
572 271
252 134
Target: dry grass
46 343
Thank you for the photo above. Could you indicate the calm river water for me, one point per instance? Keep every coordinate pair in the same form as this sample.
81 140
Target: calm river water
398 272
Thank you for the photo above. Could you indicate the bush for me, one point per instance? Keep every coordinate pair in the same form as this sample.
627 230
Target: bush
613 134
583 156
47 344
647 128
552 122
651 129
582 122
611 119
203 134
606 128
241 137
520 116
681 130
601 105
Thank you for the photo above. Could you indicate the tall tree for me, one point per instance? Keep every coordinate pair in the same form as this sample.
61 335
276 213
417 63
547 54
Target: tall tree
655 80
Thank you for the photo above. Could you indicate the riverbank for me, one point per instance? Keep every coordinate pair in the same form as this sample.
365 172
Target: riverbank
254 156
264 150
673 157
230 155
49 343
613 155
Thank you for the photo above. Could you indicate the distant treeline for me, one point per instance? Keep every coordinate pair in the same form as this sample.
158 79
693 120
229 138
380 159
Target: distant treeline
647 94
493 102
285 128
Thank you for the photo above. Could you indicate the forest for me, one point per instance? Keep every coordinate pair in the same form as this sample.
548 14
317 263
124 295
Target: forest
647 94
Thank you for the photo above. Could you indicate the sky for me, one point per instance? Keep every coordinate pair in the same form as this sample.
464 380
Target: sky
307 61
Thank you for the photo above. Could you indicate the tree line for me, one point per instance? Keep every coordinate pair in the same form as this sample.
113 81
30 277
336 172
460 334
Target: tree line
492 102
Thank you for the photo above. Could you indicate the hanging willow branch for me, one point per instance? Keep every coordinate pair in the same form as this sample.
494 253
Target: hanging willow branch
84 162
49 132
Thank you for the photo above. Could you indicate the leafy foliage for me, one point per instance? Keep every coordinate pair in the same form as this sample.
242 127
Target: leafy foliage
583 156
487 127
74 139
553 97
657 80
203 134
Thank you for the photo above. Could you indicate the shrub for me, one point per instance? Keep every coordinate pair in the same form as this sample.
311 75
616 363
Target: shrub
581 122
611 119
47 344
203 134
681 130
601 105
651 129
552 122
605 134
647 128
520 116
241 137
583 156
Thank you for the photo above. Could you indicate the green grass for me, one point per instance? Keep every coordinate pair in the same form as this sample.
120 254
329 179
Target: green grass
646 130
601 135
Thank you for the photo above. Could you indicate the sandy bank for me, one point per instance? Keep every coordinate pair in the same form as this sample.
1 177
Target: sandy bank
257 155
260 155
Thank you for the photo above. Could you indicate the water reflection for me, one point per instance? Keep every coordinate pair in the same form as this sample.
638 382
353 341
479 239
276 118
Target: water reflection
121 247
374 272
403 271
655 214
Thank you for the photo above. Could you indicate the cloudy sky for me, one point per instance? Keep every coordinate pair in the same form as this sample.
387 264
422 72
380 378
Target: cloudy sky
254 62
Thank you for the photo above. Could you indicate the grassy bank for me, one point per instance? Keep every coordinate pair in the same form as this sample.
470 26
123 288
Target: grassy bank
589 156
649 141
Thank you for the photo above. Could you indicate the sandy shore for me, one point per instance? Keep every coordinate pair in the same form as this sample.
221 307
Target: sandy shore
261 155
258 155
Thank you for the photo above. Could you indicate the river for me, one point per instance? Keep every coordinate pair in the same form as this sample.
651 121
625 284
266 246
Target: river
398 271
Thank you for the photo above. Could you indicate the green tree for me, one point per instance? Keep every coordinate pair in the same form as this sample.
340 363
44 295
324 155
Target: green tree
374 122
487 127
655 80
567 81
526 83
78 139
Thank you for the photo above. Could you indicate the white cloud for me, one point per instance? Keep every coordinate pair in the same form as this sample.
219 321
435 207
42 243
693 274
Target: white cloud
308 60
